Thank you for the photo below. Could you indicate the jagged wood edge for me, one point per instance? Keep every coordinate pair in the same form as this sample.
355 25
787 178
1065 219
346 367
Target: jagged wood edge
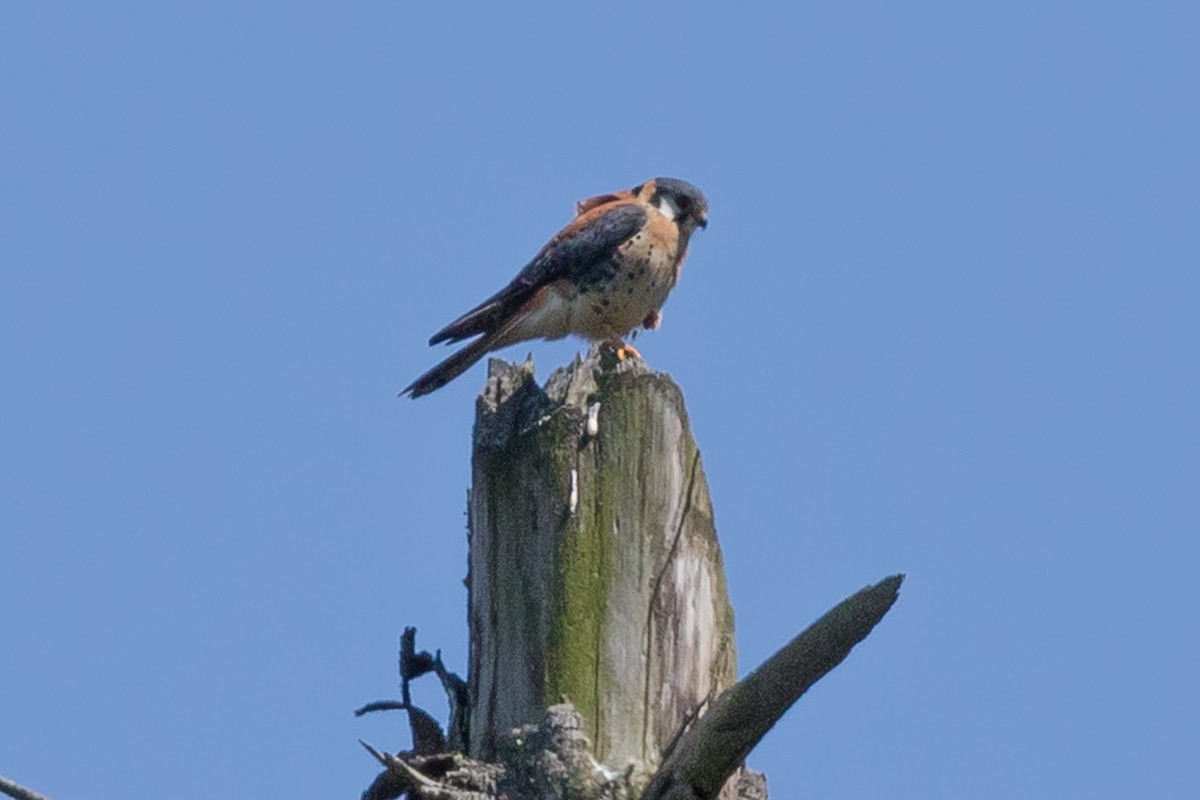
708 752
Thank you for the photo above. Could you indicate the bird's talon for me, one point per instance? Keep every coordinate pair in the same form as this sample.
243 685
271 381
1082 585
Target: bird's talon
625 351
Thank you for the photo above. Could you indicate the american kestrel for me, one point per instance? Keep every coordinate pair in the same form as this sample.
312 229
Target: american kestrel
607 272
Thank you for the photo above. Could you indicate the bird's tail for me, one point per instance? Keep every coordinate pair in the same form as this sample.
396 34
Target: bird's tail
456 364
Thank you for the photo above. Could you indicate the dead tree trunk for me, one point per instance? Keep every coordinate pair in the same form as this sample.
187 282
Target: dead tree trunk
595 572
595 577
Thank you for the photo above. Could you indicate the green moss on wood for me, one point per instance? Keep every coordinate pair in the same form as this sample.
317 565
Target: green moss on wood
568 593
580 586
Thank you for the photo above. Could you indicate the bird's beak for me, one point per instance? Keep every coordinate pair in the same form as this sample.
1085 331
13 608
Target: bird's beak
702 221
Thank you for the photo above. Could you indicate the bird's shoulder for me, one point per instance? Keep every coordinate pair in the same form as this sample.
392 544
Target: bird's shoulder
594 235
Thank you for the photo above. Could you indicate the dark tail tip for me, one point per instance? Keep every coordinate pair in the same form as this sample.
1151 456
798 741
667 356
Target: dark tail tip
449 369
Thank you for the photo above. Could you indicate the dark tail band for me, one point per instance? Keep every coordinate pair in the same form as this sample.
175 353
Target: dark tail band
453 366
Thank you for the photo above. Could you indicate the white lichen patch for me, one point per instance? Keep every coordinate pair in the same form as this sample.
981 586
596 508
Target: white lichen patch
573 497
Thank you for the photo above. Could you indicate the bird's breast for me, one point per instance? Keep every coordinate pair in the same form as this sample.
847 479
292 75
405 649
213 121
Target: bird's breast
618 295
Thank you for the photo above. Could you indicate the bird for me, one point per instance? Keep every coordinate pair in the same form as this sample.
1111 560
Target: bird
606 273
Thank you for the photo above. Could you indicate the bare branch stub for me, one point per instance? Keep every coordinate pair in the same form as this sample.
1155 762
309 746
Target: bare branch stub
444 776
380 705
428 739
711 750
17 791
458 696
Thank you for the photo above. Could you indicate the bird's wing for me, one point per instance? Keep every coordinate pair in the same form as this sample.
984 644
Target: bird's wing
591 239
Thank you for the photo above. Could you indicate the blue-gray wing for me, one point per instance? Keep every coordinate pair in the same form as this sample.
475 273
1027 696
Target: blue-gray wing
584 248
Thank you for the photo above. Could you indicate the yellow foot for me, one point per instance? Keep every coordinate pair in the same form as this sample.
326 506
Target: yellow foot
625 351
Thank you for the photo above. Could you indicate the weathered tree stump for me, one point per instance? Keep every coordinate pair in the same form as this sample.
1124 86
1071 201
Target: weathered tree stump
602 662
595 572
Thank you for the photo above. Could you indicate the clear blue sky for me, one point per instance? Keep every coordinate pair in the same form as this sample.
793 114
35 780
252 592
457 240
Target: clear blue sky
944 321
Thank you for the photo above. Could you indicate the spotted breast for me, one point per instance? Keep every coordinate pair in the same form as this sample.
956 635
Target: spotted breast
618 295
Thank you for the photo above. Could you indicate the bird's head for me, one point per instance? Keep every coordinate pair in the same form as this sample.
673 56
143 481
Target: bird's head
677 200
